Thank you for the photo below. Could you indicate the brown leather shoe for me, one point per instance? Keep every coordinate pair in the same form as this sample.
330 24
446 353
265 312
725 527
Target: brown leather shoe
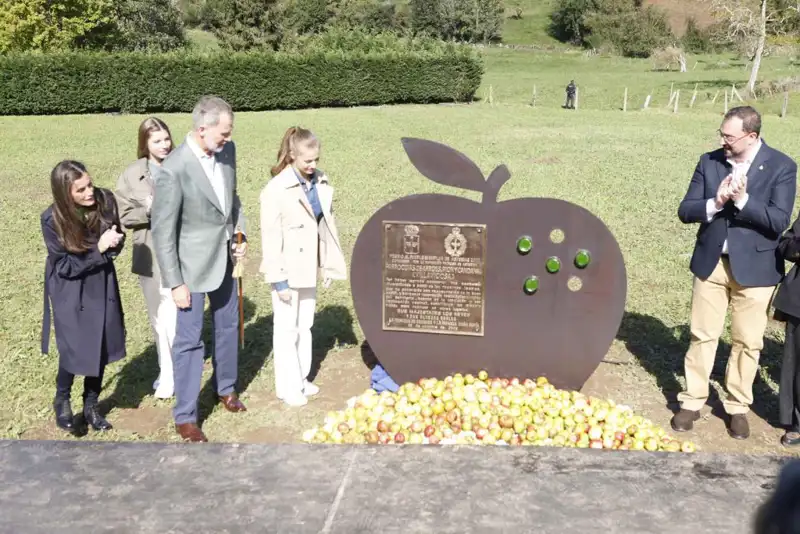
191 432
738 427
683 421
232 403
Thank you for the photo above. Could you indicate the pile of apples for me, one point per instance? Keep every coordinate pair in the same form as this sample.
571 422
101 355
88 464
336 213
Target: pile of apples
480 410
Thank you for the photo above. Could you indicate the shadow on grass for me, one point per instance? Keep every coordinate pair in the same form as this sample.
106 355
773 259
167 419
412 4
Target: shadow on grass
135 381
661 351
333 326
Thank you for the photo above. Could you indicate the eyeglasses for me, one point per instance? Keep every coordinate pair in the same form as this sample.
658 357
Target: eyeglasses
729 139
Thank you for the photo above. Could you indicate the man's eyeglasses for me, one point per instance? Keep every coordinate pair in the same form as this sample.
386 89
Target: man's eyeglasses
729 139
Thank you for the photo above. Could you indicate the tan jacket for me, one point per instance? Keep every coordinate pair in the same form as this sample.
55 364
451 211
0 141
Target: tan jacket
134 185
294 247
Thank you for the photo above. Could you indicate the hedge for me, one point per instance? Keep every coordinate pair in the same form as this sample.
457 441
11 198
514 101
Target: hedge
72 83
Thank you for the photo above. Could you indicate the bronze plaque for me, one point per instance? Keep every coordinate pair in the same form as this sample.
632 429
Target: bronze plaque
434 277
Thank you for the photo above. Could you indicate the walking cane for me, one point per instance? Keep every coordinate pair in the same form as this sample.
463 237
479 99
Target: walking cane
240 272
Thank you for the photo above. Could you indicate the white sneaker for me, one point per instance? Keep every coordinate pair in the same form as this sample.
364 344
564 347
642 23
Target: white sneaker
295 400
309 389
164 393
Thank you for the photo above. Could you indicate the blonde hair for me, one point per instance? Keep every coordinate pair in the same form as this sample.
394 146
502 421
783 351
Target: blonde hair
293 137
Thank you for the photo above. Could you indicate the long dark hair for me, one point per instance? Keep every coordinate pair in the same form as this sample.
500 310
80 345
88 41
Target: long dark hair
78 233
293 137
147 127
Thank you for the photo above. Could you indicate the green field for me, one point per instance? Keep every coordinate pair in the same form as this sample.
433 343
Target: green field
630 169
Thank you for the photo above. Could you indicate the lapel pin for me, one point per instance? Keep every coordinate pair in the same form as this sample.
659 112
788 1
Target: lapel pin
760 167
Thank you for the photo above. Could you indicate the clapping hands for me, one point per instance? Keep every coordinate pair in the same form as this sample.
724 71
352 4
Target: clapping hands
731 188
739 189
110 239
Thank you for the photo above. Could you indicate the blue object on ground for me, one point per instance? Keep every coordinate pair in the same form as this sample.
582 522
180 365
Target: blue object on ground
381 380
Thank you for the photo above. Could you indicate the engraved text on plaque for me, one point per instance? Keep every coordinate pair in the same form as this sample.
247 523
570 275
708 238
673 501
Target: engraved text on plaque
433 277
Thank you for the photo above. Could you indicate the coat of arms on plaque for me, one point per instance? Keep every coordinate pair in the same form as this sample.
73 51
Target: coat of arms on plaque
411 239
455 243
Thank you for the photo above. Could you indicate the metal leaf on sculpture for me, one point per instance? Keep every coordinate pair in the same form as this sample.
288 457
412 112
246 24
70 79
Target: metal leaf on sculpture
442 284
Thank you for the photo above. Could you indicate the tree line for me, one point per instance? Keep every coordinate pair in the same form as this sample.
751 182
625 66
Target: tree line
633 29
161 25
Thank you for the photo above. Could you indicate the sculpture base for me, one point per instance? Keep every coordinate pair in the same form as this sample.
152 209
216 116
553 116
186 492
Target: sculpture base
150 487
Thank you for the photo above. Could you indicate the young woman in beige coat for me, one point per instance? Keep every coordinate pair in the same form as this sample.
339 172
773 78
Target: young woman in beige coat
300 242
134 195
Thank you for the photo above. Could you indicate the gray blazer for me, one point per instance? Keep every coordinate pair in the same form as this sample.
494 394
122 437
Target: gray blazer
134 185
188 224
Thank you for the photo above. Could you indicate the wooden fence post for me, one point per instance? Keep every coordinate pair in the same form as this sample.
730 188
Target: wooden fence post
785 107
726 100
625 101
534 95
647 102
576 98
677 99
694 96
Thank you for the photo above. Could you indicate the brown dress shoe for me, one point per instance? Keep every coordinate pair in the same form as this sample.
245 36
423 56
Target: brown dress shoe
191 432
738 427
683 421
232 403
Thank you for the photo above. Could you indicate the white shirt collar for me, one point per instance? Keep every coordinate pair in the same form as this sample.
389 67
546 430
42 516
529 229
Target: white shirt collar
199 152
751 156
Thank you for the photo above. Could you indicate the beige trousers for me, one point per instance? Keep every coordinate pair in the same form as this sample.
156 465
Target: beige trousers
291 340
749 309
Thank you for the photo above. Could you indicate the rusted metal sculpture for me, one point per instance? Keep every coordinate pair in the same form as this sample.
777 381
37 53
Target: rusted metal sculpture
526 287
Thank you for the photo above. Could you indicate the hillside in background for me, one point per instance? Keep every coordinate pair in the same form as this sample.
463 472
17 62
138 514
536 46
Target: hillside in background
531 28
679 11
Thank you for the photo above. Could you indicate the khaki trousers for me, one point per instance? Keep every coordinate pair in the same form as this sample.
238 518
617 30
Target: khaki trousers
749 309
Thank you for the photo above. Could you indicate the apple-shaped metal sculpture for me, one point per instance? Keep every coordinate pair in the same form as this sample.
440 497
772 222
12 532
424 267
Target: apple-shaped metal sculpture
526 287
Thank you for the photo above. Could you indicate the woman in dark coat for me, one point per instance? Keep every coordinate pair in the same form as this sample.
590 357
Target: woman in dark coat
787 308
80 231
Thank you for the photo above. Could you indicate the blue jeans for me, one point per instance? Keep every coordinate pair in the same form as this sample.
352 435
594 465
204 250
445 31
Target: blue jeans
188 349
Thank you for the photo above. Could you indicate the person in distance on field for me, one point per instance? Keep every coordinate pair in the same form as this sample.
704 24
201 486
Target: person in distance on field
80 232
742 195
299 241
570 104
134 196
196 216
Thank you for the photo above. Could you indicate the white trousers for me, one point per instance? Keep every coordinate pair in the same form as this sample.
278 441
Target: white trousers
291 340
163 314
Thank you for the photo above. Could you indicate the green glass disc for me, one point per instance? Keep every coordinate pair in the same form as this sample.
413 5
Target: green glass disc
524 244
582 259
531 285
553 264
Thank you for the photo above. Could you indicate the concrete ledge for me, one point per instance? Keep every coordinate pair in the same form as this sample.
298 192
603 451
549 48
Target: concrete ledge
65 487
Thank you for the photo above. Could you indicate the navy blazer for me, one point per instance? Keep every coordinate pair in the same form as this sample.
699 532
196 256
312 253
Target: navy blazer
753 232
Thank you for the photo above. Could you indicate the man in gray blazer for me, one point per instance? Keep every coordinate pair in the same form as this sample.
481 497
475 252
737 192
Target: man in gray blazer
195 215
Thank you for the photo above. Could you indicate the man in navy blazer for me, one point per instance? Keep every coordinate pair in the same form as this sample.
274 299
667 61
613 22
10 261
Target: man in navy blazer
742 194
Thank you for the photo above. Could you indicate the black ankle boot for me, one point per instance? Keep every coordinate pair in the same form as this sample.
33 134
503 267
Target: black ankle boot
91 412
64 417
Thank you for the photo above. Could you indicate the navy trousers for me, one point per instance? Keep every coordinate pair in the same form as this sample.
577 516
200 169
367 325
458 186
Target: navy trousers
188 349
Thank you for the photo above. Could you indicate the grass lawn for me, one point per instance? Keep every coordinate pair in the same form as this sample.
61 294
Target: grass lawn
630 169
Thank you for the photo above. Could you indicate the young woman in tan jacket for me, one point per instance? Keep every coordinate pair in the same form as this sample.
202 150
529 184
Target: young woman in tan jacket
134 195
300 242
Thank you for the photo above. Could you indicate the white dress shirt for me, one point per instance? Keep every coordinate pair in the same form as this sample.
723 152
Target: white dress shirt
213 172
212 168
738 170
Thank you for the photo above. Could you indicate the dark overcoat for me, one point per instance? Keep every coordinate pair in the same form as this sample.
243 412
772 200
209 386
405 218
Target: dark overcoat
84 293
787 299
